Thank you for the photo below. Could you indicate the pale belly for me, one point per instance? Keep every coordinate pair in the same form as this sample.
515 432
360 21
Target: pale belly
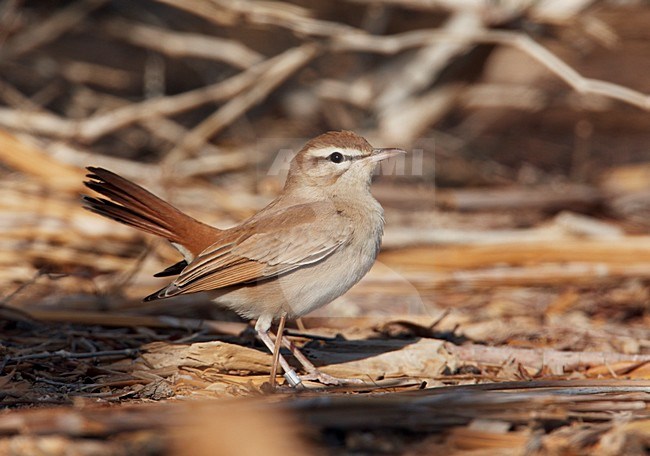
306 289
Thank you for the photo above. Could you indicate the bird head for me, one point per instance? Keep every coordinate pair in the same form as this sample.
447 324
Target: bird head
338 161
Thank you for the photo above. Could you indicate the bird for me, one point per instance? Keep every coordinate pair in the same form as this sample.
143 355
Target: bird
310 245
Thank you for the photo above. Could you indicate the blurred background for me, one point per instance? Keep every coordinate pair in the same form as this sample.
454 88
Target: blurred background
518 219
514 111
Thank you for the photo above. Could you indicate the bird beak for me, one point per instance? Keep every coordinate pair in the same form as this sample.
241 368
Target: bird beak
382 154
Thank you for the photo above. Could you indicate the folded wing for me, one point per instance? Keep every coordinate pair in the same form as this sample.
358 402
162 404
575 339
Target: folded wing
267 246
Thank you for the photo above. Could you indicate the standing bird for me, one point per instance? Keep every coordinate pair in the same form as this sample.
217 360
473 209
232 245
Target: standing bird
317 239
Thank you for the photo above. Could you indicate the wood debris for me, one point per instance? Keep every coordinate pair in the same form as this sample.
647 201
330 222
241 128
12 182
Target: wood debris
507 313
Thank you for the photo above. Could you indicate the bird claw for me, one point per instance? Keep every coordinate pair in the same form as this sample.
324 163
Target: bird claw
327 379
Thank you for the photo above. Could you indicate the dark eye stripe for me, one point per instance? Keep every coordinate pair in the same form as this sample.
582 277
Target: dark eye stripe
345 157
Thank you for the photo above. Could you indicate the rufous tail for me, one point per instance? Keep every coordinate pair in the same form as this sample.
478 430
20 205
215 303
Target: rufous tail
132 205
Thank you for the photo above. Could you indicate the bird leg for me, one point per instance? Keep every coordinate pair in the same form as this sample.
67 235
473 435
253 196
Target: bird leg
262 327
289 374
276 350
312 372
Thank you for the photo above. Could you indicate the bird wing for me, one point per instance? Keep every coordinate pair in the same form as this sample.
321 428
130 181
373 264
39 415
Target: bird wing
266 246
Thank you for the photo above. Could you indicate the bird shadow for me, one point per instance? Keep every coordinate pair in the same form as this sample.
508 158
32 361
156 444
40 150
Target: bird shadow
390 337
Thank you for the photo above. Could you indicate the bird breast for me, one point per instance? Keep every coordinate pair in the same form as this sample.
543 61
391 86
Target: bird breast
312 286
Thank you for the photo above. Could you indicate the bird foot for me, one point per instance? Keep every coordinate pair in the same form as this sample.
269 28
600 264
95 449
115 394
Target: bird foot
327 379
293 379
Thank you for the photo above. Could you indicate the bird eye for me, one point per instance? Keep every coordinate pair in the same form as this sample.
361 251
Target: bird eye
336 157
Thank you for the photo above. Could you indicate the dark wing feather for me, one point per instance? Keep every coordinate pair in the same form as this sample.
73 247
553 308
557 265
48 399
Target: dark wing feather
172 270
